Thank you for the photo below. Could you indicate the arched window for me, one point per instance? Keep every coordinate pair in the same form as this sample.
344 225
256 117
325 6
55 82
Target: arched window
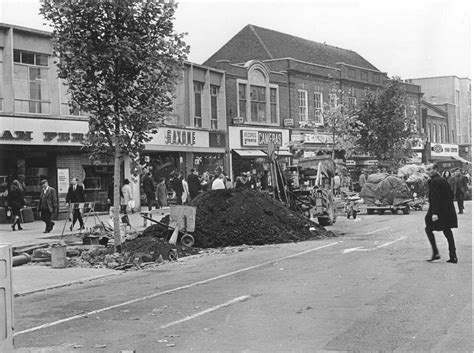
257 97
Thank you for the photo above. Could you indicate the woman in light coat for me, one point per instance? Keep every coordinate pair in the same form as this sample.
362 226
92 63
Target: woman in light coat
161 195
185 195
126 196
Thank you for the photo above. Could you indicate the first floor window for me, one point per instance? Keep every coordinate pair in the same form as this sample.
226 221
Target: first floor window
243 101
318 108
214 93
30 85
303 105
273 105
258 104
198 87
352 102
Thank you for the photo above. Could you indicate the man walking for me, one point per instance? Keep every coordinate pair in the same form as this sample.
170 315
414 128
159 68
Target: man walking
177 186
194 183
461 189
48 204
75 194
149 189
441 215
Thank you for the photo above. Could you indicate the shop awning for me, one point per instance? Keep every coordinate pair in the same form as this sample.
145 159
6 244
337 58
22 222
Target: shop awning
283 153
250 153
461 159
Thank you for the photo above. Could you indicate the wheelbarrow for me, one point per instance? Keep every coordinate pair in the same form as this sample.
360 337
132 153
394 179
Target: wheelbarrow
179 233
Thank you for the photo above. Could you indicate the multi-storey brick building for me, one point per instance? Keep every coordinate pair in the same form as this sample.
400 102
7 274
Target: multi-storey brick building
313 71
41 133
453 94
257 105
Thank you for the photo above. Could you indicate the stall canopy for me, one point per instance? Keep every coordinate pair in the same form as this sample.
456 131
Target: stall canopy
250 153
461 159
284 153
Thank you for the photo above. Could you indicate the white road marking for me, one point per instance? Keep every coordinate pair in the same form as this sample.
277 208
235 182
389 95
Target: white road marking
84 315
376 231
207 311
360 248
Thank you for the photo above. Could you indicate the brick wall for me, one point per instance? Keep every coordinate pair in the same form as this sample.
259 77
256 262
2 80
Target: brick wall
74 163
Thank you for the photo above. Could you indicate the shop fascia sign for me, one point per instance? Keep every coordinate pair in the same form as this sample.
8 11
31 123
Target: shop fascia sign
180 137
444 150
48 136
258 138
318 137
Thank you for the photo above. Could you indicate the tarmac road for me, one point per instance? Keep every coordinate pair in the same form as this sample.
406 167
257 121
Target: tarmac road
369 289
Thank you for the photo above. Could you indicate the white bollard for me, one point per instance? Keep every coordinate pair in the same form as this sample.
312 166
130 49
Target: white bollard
6 299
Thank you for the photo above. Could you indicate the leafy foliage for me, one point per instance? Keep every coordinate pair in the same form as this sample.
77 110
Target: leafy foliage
387 127
342 122
121 59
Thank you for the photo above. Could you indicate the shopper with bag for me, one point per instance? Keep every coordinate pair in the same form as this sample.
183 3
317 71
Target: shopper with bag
126 197
16 202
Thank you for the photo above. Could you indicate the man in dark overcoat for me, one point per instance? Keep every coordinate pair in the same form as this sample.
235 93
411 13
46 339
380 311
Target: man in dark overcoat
461 189
194 183
441 215
75 195
48 204
149 190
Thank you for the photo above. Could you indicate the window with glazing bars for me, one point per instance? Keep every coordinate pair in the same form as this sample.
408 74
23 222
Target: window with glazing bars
318 108
303 105
273 106
243 101
214 94
258 104
198 86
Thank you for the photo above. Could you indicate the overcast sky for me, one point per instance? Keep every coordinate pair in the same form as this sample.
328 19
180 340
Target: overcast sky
406 38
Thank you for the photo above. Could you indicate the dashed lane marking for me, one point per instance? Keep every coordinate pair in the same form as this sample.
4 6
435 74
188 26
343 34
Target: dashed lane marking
84 315
360 248
377 230
207 311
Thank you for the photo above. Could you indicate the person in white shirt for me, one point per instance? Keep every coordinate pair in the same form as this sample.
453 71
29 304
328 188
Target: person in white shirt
218 182
185 195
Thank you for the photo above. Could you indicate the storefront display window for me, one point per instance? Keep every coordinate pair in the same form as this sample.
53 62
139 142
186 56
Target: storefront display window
208 162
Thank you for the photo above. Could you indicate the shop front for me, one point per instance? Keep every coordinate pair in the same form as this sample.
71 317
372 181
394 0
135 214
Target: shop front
249 151
446 156
36 149
173 149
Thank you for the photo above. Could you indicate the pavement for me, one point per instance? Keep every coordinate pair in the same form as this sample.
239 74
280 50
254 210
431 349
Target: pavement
35 277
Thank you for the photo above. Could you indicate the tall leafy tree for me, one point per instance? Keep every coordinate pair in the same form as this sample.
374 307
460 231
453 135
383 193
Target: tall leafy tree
121 60
342 123
387 126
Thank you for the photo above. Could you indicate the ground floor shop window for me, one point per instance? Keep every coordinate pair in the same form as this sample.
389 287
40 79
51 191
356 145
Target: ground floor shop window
209 162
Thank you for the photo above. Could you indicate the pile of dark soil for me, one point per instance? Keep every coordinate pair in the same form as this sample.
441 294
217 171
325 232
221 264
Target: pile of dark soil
236 217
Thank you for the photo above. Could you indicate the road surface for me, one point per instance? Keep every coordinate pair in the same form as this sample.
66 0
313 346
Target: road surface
368 289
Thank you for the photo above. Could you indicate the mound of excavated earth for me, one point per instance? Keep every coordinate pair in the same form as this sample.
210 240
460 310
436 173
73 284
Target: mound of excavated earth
233 217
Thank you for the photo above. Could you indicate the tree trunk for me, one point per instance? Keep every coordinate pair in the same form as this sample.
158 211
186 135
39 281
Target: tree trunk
117 164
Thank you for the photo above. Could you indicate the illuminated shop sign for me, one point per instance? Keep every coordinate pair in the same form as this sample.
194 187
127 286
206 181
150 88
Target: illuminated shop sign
260 138
180 137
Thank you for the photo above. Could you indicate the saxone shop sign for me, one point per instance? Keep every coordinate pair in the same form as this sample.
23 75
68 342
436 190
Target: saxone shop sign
260 138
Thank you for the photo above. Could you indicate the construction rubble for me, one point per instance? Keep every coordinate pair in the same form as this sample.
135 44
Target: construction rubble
227 221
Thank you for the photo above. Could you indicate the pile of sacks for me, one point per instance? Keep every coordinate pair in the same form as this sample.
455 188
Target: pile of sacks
416 179
384 189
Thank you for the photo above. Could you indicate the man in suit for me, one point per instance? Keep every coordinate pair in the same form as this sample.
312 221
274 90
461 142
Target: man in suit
75 194
441 215
194 183
460 189
48 204
149 190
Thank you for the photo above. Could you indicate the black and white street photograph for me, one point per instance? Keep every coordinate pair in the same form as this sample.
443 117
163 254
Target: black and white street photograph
236 176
